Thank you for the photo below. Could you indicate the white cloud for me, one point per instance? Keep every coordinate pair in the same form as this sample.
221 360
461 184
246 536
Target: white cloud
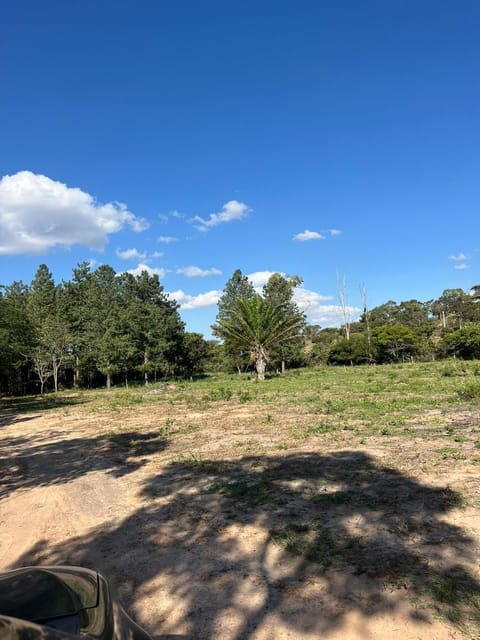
308 235
231 210
37 213
161 273
196 272
260 278
459 258
171 214
306 299
186 302
317 312
310 302
335 232
461 267
166 239
329 315
138 224
131 254
157 254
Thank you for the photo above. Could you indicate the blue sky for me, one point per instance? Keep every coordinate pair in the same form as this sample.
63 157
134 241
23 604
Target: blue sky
195 138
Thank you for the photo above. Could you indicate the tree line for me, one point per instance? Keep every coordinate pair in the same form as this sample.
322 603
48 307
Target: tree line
98 328
410 330
102 328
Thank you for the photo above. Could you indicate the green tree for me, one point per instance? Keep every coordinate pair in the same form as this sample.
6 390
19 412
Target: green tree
464 343
50 327
76 300
238 287
356 350
152 321
16 338
319 345
196 353
453 308
384 314
102 323
279 292
395 342
255 326
414 315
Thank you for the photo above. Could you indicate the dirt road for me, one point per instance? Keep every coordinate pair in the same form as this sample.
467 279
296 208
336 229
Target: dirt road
183 562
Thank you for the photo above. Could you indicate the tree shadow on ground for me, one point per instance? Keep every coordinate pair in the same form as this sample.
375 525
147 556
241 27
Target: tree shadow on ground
220 548
43 463
10 408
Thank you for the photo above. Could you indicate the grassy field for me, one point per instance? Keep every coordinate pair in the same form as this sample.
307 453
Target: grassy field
370 473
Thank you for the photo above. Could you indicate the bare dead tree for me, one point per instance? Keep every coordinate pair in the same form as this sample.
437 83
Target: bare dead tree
366 317
346 313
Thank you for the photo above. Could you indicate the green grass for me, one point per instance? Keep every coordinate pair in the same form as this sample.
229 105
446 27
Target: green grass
226 437
248 494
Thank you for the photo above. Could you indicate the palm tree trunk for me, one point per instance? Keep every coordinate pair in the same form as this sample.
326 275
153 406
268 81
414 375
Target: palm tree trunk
260 366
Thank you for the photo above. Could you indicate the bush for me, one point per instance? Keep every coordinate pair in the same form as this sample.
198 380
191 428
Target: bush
357 350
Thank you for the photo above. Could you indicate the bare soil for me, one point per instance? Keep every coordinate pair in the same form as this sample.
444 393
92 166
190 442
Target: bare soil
218 523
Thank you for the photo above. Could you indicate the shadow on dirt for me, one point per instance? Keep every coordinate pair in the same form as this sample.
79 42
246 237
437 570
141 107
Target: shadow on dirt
42 463
11 407
223 547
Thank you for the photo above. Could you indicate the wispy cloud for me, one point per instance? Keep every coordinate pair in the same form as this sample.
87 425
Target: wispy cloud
197 272
157 254
131 254
231 210
308 235
38 213
166 239
461 267
458 258
334 232
164 217
161 273
187 302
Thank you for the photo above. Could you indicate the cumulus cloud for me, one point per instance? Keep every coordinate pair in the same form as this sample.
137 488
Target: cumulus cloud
38 213
458 258
186 302
260 278
131 254
308 235
314 306
307 299
231 210
166 239
461 267
329 315
196 272
161 273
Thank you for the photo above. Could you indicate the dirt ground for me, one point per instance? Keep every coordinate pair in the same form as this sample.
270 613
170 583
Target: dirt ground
189 532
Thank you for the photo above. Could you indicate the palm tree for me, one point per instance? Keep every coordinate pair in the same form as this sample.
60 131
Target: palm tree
255 326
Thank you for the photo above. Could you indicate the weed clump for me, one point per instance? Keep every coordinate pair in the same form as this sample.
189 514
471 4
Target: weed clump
470 391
